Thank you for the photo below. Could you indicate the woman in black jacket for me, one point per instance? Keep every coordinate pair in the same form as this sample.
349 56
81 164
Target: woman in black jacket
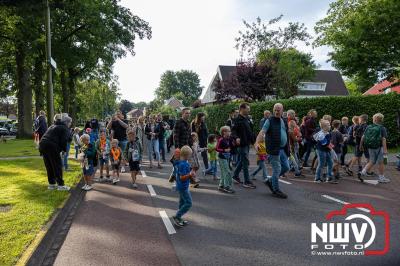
199 126
53 142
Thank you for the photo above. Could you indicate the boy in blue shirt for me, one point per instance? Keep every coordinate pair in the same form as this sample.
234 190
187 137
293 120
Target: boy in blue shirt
183 175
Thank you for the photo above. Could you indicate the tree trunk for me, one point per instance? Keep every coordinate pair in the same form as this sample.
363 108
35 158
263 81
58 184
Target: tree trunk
38 85
24 94
65 94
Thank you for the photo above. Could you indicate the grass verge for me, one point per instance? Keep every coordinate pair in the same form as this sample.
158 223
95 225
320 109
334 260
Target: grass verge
18 148
29 204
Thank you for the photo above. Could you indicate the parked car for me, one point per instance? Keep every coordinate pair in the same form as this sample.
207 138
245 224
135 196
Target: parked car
4 131
13 129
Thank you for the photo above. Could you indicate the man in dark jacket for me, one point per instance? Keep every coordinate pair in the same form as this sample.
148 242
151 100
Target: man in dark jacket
182 130
275 130
244 136
309 130
53 142
41 124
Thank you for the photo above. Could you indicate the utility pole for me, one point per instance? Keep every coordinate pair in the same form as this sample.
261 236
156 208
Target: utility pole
50 98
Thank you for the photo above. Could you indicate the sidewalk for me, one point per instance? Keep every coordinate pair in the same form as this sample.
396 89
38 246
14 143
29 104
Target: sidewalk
116 225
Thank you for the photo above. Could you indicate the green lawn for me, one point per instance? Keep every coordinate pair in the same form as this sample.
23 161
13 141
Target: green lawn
15 148
23 187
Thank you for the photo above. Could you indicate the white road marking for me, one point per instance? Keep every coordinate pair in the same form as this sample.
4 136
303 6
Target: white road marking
151 190
167 223
143 173
372 182
343 202
285 182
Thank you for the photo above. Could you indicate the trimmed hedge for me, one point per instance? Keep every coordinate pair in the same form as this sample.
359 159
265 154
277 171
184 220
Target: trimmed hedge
337 107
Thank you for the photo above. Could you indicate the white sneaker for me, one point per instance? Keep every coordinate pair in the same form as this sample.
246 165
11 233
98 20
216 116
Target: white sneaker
52 187
88 187
63 188
383 180
107 179
84 187
115 181
134 186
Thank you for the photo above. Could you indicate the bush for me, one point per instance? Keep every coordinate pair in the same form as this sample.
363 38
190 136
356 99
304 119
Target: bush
337 106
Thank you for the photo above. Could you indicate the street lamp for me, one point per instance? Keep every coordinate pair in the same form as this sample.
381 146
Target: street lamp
50 98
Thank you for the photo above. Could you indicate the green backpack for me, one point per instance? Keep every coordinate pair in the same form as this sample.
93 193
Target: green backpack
373 136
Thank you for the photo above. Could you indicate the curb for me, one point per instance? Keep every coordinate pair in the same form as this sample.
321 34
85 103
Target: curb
49 246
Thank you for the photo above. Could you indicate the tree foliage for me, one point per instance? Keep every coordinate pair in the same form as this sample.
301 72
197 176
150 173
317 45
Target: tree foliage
183 85
87 38
125 106
364 36
289 68
251 81
259 36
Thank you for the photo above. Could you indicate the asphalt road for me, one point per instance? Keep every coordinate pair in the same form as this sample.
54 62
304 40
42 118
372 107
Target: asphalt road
116 225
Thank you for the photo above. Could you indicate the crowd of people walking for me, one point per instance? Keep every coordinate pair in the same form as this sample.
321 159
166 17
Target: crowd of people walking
280 139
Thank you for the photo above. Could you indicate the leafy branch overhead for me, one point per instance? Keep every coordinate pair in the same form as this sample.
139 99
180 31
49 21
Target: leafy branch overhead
259 36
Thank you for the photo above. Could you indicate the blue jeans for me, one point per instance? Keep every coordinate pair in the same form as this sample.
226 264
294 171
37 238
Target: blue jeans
324 157
243 163
185 202
213 168
65 159
122 144
154 145
162 146
76 152
263 167
309 145
280 165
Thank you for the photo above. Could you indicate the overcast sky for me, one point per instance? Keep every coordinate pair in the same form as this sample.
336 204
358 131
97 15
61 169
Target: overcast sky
199 36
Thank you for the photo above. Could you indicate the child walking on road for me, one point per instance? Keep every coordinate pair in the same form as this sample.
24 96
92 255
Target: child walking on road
261 160
323 139
224 148
116 156
184 175
87 157
212 156
133 153
103 147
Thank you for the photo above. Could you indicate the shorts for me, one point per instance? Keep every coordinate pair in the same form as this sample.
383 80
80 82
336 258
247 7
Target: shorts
359 153
104 161
88 171
134 166
115 166
376 155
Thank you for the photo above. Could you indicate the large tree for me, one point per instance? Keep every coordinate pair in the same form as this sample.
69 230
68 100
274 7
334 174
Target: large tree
289 68
364 36
259 36
125 106
184 85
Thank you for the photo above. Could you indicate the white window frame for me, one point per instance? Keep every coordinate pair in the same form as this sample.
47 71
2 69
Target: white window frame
303 84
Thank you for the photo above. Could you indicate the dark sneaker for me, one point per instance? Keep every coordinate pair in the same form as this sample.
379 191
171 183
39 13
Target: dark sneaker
171 179
229 190
221 188
359 174
349 172
236 180
177 221
196 185
337 177
268 183
398 156
370 174
333 181
299 175
279 194
184 222
249 185
318 181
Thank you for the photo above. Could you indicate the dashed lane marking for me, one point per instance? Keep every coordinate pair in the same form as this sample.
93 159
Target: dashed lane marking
151 190
343 202
167 222
285 182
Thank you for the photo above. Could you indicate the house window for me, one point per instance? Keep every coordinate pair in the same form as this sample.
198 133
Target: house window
387 90
312 86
